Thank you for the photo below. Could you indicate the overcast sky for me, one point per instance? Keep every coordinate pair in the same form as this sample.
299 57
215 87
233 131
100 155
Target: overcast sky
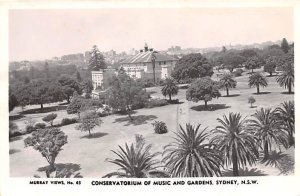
41 34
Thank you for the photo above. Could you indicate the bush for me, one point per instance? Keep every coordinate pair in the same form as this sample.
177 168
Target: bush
160 127
68 121
13 130
239 70
156 103
29 129
50 118
40 125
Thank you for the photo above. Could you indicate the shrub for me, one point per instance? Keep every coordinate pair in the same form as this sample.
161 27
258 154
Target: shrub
13 130
50 118
160 127
68 121
40 125
239 70
29 129
156 103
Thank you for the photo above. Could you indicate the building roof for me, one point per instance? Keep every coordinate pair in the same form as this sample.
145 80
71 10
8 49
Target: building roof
145 57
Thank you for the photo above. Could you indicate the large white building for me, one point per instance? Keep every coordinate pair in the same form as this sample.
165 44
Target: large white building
141 64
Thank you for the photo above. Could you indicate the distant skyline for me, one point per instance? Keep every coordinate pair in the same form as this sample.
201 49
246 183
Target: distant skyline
42 34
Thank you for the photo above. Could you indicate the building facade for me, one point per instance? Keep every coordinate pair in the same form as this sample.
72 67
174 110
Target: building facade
141 64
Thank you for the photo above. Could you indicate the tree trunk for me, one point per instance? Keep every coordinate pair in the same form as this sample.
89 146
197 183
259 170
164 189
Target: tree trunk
170 97
252 70
227 91
42 106
235 169
266 150
257 86
90 133
128 112
271 74
251 104
205 104
290 87
68 99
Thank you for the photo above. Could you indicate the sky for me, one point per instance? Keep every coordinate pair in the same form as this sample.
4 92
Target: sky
43 34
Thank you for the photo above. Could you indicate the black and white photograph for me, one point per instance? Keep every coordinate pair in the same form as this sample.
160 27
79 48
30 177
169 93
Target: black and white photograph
151 92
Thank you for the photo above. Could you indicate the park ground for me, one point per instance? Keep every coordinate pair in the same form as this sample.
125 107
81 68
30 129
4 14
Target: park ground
87 155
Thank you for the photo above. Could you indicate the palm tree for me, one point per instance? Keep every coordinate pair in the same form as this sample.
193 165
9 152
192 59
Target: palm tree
286 116
227 82
257 79
192 155
135 162
286 79
235 142
169 88
268 130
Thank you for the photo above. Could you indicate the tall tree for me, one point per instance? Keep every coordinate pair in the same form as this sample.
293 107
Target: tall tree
170 88
237 145
46 70
286 79
270 65
253 63
13 101
190 155
97 61
69 86
227 82
257 79
192 66
78 77
285 45
268 130
203 89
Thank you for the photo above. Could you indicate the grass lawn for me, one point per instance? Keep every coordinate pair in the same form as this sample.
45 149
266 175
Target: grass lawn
87 155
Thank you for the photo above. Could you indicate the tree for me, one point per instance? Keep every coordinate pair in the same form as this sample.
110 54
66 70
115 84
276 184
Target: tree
257 79
97 61
135 161
170 88
251 100
50 118
87 86
285 45
286 79
78 76
253 63
89 121
13 102
227 82
224 49
75 106
237 145
192 155
268 130
203 89
124 93
248 53
270 65
46 70
286 116
192 66
232 60
69 86
48 142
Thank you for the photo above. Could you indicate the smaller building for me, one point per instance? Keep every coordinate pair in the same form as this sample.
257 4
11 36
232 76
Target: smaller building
101 78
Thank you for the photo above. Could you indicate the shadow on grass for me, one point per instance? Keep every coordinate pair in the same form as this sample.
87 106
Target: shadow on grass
233 95
45 110
16 117
244 172
94 135
254 106
13 139
122 113
13 151
71 167
210 107
136 120
287 93
261 93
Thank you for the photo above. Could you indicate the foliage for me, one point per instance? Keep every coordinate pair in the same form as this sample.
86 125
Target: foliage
192 155
237 145
64 173
257 79
87 86
270 65
227 82
170 88
152 103
135 161
89 121
203 89
69 86
48 142
97 61
75 106
160 127
285 45
231 60
286 115
13 101
68 121
40 125
124 93
50 118
251 100
253 63
286 79
268 130
192 66
13 130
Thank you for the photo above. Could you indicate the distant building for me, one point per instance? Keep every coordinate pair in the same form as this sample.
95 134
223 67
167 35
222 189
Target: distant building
141 64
